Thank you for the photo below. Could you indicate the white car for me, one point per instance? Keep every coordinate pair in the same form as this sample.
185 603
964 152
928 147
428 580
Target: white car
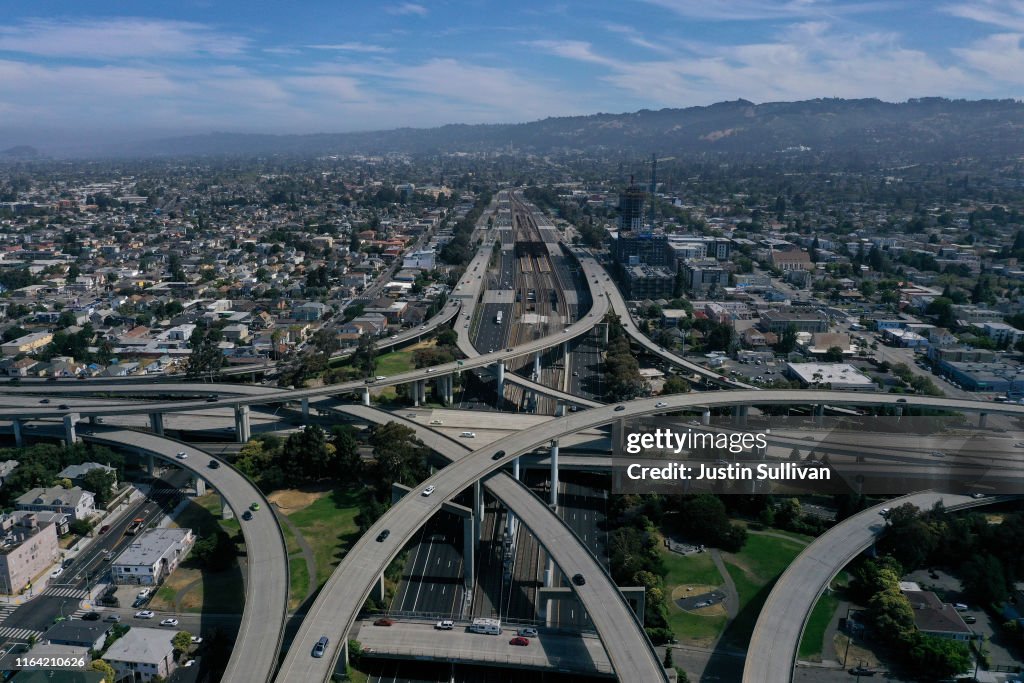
436 422
378 378
427 491
195 640
884 512
56 572
661 404
430 370
468 435
446 625
145 614
169 622
182 455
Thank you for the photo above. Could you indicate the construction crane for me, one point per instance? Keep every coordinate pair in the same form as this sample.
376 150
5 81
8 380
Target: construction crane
654 184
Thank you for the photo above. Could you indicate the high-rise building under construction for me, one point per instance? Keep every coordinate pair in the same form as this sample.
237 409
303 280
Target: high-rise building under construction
631 208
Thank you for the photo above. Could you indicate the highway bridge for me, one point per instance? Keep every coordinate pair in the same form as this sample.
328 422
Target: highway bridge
775 641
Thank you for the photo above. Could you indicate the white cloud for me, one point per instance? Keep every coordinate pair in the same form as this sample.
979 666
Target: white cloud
1008 15
756 10
351 47
578 50
408 8
118 38
998 56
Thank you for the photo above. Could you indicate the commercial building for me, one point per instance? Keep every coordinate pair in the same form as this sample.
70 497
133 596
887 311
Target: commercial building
1002 377
779 320
26 549
142 654
26 344
75 502
78 633
648 282
700 277
641 248
1001 333
152 556
837 376
631 208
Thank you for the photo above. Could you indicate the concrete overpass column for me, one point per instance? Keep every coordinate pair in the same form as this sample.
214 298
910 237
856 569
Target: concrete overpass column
225 510
739 415
156 423
70 435
366 397
469 549
423 391
549 582
478 511
379 589
705 418
450 388
150 465
515 468
819 413
501 383
200 486
560 408
899 412
982 417
19 436
305 409
243 428
536 366
618 436
554 472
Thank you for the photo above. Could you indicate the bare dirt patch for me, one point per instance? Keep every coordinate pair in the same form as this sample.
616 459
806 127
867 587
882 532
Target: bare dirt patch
293 500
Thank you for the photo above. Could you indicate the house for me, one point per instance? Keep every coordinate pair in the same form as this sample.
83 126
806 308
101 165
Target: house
6 467
60 520
78 633
26 344
152 556
76 472
310 311
75 502
27 548
933 617
142 653
18 368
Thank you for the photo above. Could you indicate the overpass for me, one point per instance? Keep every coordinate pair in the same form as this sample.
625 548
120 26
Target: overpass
254 654
338 604
775 641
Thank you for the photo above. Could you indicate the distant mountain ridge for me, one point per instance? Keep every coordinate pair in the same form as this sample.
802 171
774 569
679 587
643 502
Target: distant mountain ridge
916 130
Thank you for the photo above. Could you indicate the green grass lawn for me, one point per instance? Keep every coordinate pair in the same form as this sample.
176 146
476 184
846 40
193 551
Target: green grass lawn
328 525
692 570
298 577
813 640
395 362
754 570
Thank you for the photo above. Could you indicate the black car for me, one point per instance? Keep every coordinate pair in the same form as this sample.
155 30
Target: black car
498 456
578 579
619 408
212 399
45 401
862 671
970 620
214 464
247 515
64 406
91 616
382 536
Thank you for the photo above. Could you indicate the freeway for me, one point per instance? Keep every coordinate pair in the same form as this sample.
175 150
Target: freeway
266 590
771 655
341 599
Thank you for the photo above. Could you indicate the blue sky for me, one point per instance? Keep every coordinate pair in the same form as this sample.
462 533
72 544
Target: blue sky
142 68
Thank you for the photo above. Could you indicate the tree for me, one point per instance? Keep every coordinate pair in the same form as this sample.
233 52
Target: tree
787 342
447 337
101 483
675 384
983 577
206 356
182 641
937 659
365 355
941 308
108 672
834 354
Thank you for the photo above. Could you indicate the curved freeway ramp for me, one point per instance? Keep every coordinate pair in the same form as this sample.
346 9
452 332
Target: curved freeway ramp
254 654
771 655
345 592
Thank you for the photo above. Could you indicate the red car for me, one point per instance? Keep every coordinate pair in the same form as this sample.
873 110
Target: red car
383 622
519 640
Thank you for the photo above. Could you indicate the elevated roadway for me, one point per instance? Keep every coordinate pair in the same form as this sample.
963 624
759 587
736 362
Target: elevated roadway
547 652
254 654
771 655
339 602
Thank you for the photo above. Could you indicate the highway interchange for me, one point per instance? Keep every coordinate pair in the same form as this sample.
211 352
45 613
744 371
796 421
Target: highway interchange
337 606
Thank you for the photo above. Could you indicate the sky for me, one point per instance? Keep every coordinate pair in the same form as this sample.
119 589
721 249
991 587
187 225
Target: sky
162 67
